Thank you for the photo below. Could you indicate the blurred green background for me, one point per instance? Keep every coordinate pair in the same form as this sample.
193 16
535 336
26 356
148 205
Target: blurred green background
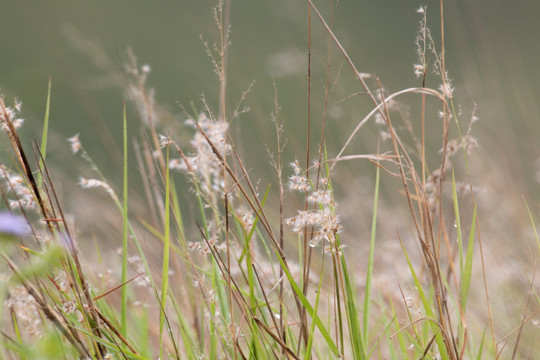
492 56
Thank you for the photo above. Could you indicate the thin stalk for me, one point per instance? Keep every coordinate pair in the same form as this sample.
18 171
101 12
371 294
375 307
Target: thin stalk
306 250
45 129
125 232
166 255
369 276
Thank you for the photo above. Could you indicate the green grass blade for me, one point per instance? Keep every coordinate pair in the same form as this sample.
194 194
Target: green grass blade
467 270
427 307
305 303
355 332
532 223
312 330
369 276
481 348
45 132
457 222
166 251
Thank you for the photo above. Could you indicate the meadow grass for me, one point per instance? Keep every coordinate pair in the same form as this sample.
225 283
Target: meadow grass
239 278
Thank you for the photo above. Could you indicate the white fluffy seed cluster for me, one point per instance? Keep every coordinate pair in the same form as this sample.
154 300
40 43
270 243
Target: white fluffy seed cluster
75 143
203 161
11 113
322 218
143 97
15 184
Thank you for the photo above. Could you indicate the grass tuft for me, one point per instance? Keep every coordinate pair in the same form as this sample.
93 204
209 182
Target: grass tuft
213 261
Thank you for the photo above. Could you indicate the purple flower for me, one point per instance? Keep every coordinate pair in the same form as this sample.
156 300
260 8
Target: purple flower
13 225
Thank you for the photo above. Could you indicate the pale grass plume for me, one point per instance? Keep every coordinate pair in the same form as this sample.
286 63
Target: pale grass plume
143 98
203 162
26 312
95 183
17 186
423 38
75 143
12 114
322 218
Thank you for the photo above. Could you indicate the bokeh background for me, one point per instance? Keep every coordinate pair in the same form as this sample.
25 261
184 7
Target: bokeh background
492 55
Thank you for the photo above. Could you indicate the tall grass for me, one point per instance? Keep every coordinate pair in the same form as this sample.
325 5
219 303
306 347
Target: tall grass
239 278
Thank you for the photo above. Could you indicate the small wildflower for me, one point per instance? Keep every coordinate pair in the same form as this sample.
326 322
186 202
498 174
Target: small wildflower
75 143
13 225
421 10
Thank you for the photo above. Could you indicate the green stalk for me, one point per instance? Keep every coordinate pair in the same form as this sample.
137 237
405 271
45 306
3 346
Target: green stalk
306 304
430 318
312 329
467 270
355 332
45 129
532 224
166 251
458 222
369 276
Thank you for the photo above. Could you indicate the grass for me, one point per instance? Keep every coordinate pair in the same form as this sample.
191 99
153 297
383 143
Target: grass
250 274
